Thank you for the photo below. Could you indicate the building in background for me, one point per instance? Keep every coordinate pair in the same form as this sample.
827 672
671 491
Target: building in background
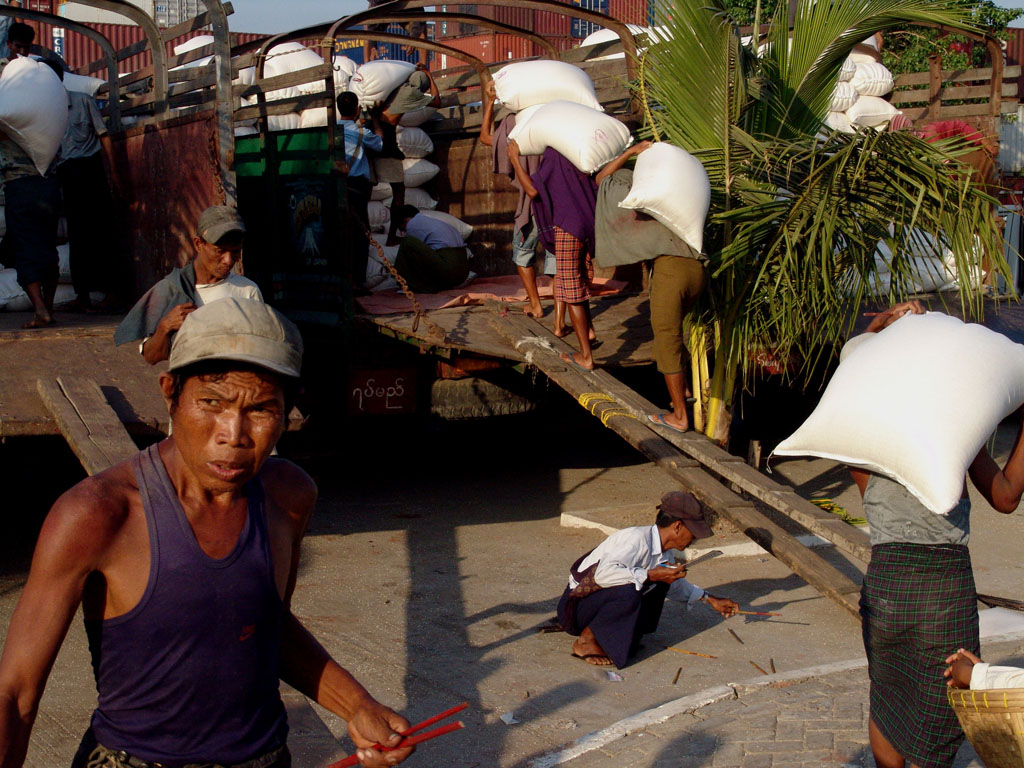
167 13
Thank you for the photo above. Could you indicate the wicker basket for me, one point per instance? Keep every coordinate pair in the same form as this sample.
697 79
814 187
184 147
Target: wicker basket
994 723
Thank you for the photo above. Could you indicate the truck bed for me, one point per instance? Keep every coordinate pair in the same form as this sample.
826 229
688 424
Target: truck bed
78 345
622 324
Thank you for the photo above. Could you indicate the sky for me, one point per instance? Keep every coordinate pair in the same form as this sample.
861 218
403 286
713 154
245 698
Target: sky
1008 4
285 15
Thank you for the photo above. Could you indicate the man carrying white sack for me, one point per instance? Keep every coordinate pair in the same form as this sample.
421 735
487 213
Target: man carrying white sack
524 231
32 208
678 278
919 602
417 92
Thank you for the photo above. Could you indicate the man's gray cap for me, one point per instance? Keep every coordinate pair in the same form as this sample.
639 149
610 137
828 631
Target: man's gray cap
243 330
217 221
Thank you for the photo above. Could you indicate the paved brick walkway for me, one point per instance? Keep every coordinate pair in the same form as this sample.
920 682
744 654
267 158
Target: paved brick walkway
811 724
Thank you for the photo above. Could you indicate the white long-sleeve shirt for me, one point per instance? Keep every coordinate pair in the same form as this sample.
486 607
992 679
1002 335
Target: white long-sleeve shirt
986 676
627 555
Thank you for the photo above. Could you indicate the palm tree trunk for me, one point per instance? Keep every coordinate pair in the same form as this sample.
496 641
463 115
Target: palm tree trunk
720 391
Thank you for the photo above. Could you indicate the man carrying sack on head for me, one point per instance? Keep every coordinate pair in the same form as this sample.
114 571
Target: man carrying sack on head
616 592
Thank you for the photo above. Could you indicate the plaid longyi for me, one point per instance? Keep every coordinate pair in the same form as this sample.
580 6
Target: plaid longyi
918 605
574 267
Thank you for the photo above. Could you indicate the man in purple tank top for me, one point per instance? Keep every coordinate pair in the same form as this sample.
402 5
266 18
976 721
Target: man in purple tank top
184 559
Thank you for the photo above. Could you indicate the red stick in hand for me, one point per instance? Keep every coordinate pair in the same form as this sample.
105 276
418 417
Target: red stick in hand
408 740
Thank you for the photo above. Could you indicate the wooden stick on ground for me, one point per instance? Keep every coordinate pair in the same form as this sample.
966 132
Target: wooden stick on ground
758 668
736 636
691 653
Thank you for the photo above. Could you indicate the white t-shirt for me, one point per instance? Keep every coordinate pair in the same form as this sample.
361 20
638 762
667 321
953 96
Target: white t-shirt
231 287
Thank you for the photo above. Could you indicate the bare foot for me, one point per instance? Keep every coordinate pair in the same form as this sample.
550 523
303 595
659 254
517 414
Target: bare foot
38 322
586 363
534 310
675 422
561 332
591 652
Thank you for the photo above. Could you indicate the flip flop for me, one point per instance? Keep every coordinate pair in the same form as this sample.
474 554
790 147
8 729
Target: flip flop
584 657
659 419
567 358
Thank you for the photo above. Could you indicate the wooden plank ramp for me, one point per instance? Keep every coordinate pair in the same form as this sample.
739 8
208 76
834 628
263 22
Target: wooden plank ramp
604 396
87 421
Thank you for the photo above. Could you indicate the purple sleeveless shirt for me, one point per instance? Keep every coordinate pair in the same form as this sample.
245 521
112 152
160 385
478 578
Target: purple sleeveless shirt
190 674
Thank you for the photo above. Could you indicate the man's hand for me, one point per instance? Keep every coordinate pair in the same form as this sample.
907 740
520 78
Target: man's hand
959 670
723 605
513 150
639 147
667 573
371 724
891 315
172 321
490 92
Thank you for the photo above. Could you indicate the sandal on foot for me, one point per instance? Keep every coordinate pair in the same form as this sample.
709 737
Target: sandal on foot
659 419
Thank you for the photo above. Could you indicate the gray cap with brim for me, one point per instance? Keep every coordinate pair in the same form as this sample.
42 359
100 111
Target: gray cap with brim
243 330
217 221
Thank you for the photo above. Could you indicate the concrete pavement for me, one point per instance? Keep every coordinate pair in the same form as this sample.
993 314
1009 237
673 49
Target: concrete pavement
812 718
430 561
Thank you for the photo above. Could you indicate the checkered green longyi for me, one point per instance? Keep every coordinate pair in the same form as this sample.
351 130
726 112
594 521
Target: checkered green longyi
918 606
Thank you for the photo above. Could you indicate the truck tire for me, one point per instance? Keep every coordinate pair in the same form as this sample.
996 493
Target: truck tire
475 397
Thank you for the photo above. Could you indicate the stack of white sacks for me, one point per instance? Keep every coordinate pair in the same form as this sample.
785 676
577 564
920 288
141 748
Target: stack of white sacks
373 83
857 101
283 59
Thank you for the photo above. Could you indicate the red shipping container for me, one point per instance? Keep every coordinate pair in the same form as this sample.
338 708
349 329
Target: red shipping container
1015 54
516 17
80 51
551 24
629 11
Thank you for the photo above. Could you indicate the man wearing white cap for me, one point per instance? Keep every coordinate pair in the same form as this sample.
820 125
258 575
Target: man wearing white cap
158 315
184 560
617 590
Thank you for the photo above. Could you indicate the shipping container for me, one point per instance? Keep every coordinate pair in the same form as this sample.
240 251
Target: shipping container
551 24
639 12
490 48
79 51
1014 49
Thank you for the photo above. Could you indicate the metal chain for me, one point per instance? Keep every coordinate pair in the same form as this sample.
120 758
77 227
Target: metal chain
433 330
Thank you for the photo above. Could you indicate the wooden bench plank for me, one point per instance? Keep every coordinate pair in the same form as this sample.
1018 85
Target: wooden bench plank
594 391
87 421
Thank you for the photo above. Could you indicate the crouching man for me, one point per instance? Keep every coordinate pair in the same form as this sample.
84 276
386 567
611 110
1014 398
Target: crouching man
617 590
433 255
184 559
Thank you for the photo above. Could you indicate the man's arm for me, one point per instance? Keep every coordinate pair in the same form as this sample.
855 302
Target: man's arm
158 346
72 542
521 176
487 119
305 664
620 161
373 139
435 94
1002 488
